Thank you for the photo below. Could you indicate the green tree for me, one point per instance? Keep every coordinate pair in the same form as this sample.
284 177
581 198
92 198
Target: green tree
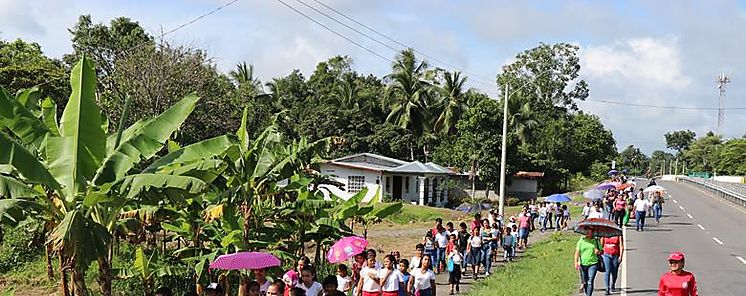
453 102
243 77
679 140
408 94
732 157
23 65
633 159
83 177
702 154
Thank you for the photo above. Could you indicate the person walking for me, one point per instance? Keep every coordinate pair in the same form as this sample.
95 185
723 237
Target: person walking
474 251
677 282
487 239
620 208
543 216
658 206
641 205
613 248
454 272
586 257
390 279
441 240
422 280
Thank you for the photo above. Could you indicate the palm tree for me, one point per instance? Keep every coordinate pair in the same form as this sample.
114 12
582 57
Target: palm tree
408 94
453 102
244 77
520 118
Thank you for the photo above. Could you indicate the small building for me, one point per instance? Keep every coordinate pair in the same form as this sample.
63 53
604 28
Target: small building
414 182
525 185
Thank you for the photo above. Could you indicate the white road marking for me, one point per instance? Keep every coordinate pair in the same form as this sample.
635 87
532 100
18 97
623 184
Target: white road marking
700 226
675 201
682 208
624 262
690 216
741 259
717 240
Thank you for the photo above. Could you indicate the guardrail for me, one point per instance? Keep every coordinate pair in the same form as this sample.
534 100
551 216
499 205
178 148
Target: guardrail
733 192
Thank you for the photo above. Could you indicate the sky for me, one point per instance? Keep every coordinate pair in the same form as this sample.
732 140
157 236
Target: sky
662 53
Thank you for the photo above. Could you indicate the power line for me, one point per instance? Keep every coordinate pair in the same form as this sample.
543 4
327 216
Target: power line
660 106
177 28
334 32
488 81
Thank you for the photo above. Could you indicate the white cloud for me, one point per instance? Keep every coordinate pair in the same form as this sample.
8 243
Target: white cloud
20 16
642 61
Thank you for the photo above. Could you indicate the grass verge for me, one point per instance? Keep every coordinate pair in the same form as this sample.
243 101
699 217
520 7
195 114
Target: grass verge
413 213
545 269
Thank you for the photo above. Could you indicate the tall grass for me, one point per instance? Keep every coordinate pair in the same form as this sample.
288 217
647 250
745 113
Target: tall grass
546 269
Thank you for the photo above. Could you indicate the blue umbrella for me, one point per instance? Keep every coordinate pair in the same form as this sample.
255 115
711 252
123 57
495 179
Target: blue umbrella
594 194
558 197
606 186
613 172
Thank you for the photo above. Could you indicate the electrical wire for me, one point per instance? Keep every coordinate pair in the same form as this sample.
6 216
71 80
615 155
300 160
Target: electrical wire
659 106
173 30
396 50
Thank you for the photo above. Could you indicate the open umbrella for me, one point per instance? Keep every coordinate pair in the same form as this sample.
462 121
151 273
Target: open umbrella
345 248
613 172
600 227
654 188
557 197
605 186
594 194
624 186
245 260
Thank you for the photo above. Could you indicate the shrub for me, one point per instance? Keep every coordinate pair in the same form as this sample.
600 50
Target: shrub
19 246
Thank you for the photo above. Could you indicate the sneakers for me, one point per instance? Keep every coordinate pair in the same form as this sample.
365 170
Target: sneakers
486 273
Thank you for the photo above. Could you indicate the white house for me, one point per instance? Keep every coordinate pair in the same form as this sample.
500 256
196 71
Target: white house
414 182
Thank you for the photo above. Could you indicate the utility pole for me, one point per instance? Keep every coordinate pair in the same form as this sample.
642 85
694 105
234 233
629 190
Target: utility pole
504 153
722 80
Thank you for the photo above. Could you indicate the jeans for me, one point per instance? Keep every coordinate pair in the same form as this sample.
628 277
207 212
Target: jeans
487 257
611 262
609 211
440 255
543 222
588 275
558 220
475 256
657 212
640 220
619 218
549 219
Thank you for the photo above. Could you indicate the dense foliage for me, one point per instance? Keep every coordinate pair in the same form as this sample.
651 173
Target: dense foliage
148 144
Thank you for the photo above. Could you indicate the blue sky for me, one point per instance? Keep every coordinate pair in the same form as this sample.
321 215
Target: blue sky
640 52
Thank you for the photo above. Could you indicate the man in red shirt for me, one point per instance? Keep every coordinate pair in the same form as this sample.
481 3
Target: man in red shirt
678 282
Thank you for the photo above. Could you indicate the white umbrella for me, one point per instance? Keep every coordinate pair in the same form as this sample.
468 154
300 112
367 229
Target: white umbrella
654 188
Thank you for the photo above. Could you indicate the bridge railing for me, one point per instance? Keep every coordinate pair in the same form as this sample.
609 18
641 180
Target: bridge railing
733 192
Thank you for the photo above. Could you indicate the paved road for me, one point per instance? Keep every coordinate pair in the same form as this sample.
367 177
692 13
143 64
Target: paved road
711 232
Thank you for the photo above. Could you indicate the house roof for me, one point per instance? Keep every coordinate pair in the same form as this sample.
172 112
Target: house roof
528 175
375 162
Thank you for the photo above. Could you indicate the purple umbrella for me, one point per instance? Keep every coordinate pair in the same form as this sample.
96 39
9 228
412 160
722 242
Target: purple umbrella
245 260
606 186
613 172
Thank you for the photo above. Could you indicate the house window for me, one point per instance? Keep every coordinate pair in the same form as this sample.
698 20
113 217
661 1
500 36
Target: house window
406 184
388 181
355 183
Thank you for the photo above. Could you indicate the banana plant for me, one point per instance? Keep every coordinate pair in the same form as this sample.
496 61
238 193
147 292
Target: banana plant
82 178
146 269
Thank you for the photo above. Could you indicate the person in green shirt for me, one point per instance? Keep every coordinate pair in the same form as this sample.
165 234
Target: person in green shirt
586 256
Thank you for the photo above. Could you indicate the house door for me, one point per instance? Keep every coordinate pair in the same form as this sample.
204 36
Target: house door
396 192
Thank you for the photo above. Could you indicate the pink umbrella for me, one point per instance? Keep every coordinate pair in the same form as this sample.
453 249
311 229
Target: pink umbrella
346 248
245 260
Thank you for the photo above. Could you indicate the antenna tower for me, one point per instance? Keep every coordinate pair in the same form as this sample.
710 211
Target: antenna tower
722 80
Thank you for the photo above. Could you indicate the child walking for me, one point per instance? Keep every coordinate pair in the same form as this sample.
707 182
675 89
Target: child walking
454 272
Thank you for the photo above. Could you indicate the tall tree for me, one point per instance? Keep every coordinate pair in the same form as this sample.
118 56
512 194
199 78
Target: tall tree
244 77
453 102
23 65
408 93
633 159
679 140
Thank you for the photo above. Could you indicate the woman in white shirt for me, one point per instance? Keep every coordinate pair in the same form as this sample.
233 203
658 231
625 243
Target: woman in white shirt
390 277
369 284
422 280
474 249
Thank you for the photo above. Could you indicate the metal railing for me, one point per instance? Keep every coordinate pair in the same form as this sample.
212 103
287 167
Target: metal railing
733 192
